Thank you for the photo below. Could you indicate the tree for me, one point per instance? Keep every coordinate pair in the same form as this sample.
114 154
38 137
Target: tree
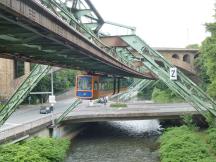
207 59
63 80
192 46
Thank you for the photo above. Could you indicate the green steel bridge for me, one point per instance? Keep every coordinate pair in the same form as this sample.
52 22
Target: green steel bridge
67 34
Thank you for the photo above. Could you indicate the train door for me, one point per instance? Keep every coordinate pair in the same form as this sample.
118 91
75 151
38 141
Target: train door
114 86
95 85
118 85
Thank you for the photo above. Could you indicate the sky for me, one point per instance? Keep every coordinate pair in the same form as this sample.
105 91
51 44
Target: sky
161 23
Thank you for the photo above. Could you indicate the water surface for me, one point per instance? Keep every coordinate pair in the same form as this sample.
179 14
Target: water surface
117 141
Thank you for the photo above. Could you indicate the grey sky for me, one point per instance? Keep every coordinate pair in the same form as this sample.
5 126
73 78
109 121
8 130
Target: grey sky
161 23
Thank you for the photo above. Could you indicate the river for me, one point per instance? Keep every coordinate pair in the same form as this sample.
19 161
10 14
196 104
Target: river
117 141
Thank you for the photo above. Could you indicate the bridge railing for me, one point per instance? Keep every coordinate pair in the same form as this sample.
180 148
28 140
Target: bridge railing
26 127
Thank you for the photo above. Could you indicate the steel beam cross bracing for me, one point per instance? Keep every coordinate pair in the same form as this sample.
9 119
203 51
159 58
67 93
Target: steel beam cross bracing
74 104
136 87
182 86
37 73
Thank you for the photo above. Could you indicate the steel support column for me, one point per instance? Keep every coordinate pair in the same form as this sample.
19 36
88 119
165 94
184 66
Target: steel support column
182 86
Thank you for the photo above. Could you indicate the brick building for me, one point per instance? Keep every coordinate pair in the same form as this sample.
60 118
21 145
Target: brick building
12 73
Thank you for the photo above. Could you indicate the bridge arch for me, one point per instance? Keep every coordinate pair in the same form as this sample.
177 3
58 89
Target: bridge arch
176 56
186 58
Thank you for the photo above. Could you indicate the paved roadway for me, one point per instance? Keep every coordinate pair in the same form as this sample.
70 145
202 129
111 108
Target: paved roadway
31 112
134 110
99 112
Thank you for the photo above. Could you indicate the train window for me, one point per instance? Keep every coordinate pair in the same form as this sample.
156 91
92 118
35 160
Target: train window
95 85
85 83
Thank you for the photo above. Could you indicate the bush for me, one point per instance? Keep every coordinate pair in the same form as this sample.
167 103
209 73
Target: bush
188 120
63 80
182 144
212 138
165 96
210 119
35 150
118 105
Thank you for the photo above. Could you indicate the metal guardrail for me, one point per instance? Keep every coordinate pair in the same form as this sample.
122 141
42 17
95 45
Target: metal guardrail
26 127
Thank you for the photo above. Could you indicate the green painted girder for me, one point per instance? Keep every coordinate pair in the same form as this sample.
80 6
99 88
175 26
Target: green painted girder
48 55
79 13
137 86
87 32
74 104
91 26
183 86
123 52
38 72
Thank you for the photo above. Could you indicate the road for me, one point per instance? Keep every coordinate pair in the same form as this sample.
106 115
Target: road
31 112
138 109
134 110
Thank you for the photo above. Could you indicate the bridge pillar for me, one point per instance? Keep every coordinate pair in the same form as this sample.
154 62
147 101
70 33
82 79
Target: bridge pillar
67 131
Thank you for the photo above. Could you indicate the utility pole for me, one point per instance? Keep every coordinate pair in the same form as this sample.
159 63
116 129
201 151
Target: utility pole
52 98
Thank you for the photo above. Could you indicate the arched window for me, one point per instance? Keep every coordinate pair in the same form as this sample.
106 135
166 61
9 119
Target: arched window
186 58
175 56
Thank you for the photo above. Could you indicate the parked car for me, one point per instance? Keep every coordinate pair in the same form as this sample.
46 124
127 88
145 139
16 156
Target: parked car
46 109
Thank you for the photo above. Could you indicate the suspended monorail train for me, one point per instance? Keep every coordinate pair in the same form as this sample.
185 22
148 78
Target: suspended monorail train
96 86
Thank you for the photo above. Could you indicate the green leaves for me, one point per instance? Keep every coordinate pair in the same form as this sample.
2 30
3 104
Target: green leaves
207 60
35 150
165 96
181 144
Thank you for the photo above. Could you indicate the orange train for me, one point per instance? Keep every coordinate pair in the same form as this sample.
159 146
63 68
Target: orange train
97 86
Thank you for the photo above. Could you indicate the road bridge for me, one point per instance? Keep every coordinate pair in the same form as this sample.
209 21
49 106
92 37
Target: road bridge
133 111
27 119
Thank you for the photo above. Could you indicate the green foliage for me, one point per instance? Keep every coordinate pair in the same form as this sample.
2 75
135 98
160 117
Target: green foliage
182 144
62 81
188 120
35 150
165 96
192 46
146 93
210 119
212 138
207 59
160 93
201 72
118 105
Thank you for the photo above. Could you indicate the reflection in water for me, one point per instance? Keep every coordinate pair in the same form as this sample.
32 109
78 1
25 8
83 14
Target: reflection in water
118 141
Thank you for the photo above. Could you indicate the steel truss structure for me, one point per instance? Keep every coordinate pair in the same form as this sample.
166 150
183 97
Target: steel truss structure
182 86
134 88
74 104
84 18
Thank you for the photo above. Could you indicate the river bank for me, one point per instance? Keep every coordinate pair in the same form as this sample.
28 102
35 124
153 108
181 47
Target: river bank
188 144
35 150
